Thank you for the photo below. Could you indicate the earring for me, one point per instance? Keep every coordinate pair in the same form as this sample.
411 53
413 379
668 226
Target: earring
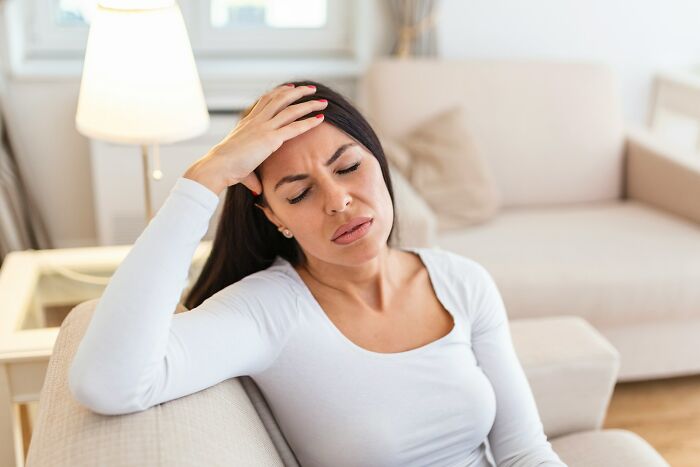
285 232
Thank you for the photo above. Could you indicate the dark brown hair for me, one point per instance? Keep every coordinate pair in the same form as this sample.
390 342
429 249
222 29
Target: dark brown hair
246 241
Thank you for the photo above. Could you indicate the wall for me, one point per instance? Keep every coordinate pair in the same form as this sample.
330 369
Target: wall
53 157
636 37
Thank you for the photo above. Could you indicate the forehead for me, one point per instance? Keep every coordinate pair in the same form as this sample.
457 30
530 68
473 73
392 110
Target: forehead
316 144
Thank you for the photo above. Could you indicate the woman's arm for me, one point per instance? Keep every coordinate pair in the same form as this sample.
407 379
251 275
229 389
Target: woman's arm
137 353
517 437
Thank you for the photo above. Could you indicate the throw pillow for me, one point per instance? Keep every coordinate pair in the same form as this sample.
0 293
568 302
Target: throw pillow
442 161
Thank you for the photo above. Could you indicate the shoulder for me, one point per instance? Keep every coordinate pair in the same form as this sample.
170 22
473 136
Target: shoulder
270 289
461 269
468 280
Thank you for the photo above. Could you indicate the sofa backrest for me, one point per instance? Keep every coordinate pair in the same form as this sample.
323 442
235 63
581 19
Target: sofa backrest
551 132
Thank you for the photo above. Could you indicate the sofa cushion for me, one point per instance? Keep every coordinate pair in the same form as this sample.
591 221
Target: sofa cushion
612 263
551 131
448 170
571 369
415 222
609 447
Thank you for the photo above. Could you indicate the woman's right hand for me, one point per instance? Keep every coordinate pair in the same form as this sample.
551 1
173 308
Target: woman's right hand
270 123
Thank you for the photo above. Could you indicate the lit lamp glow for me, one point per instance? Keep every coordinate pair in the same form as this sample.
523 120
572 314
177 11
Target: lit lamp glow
140 83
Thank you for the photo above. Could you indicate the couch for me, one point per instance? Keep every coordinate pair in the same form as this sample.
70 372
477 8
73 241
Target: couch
570 367
598 218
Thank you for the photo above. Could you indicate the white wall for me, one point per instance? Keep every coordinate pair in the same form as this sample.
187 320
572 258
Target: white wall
53 157
636 37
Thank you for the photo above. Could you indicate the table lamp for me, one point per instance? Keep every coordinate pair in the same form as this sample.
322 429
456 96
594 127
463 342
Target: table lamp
139 83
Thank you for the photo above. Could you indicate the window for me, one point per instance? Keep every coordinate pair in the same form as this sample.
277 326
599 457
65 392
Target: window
74 12
273 14
217 28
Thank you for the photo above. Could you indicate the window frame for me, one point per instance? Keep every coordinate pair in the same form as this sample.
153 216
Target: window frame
44 39
228 82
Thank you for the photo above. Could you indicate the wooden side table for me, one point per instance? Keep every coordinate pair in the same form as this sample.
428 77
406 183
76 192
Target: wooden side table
37 290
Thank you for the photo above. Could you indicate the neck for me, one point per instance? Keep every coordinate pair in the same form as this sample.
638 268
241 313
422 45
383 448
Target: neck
370 283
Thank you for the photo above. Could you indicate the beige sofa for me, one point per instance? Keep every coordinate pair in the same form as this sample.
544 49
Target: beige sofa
597 220
570 367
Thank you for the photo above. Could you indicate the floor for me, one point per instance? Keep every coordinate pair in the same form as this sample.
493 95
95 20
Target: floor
666 413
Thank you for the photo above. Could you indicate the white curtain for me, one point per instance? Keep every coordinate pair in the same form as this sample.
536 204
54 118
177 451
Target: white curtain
415 24
21 226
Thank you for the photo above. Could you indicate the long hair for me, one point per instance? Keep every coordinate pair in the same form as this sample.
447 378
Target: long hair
245 240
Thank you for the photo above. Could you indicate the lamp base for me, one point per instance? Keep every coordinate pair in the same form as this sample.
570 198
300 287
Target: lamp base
146 183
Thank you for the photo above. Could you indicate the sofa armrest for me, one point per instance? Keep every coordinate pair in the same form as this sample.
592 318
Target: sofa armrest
571 369
191 430
662 176
415 220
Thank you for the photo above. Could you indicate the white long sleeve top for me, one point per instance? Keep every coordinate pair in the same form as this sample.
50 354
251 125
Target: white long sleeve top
461 400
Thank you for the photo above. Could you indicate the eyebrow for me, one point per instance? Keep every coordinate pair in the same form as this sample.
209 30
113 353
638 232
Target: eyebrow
293 178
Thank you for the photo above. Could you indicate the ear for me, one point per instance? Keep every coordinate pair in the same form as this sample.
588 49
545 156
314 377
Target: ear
269 214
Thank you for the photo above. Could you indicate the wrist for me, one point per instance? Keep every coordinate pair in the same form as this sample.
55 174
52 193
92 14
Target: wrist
205 178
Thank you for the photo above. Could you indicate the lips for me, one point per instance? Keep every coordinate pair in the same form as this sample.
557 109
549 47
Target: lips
349 226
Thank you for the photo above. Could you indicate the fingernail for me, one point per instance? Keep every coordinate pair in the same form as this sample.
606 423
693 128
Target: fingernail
311 86
322 100
319 116
255 193
291 85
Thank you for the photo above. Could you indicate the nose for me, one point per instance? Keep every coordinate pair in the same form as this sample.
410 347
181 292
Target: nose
337 198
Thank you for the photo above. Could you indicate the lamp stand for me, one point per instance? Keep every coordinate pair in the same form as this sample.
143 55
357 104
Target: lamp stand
146 183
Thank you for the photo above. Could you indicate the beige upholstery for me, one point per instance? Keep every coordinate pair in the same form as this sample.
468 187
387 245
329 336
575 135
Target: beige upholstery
570 367
661 176
551 132
606 448
447 170
628 268
604 254
415 224
210 427
599 220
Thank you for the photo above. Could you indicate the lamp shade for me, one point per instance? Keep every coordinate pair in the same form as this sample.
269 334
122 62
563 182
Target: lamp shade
140 83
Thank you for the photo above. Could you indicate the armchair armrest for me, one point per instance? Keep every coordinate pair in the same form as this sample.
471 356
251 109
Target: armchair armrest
192 430
571 369
662 176
415 220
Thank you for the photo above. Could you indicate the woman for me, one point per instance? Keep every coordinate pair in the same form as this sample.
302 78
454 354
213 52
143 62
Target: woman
368 355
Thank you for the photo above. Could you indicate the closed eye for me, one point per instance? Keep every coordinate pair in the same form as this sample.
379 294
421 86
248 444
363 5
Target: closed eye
305 192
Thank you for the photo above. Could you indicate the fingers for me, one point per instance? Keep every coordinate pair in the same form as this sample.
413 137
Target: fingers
282 98
265 98
293 112
252 183
294 129
275 111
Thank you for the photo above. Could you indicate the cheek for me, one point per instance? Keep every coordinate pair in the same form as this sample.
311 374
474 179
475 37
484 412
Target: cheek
377 196
377 187
306 220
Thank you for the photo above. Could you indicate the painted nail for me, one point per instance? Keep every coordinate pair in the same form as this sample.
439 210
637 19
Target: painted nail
322 100
291 85
311 86
319 116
